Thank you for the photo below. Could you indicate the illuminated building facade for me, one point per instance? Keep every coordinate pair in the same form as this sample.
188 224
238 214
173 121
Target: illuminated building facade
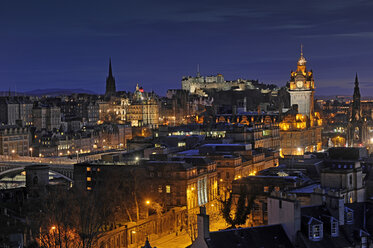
302 87
16 111
14 140
143 110
197 84
300 129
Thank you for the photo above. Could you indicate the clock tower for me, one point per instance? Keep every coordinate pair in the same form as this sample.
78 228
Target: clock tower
302 87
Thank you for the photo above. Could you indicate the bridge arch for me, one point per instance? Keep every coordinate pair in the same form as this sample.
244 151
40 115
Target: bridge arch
22 168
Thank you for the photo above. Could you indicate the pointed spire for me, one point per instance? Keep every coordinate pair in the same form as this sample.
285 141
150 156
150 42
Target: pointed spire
110 82
356 109
356 81
198 74
356 89
301 50
110 70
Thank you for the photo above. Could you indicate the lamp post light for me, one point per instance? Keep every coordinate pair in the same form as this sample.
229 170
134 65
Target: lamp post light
77 155
147 203
30 149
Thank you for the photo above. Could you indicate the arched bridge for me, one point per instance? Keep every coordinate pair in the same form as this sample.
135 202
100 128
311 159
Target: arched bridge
65 171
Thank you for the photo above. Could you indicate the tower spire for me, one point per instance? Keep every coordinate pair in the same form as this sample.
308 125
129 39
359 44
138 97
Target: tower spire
198 73
110 70
356 96
110 82
301 50
356 81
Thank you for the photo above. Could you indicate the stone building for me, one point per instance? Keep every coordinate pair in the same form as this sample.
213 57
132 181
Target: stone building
14 140
143 109
343 173
302 88
16 110
46 117
331 223
300 128
197 84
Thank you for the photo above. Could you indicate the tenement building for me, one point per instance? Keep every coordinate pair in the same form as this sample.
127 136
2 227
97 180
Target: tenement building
300 129
14 140
46 117
16 110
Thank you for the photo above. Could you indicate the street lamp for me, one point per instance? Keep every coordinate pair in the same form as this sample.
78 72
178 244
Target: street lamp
30 149
147 202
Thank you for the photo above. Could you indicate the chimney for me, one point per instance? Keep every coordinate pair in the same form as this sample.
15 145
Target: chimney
203 224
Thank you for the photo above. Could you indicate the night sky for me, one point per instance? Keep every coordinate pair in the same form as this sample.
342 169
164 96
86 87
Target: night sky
67 44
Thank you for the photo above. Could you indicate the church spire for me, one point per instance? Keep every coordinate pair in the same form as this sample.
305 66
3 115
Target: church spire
356 89
110 70
110 82
356 81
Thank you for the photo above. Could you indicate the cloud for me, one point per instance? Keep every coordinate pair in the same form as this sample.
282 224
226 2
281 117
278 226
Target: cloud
289 26
347 35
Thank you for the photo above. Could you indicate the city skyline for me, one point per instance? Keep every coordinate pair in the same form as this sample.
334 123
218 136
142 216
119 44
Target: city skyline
51 45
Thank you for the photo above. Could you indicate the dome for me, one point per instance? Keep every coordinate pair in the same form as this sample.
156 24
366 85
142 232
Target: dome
302 60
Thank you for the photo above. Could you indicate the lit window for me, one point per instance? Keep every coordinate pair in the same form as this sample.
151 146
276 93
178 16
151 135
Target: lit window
181 144
89 179
168 189
316 231
334 228
266 189
89 188
160 188
88 168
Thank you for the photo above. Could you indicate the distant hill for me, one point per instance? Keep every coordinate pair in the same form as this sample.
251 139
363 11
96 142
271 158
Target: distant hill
49 92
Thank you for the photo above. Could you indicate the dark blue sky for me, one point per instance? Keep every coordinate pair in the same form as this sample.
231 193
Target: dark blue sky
67 44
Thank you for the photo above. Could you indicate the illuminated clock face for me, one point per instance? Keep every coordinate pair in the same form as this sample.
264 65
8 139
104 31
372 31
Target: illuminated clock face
299 84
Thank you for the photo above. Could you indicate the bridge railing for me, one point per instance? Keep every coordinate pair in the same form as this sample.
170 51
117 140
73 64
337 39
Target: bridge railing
54 160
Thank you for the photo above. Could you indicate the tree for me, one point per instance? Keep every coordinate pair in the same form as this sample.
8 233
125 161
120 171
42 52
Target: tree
242 209
68 219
